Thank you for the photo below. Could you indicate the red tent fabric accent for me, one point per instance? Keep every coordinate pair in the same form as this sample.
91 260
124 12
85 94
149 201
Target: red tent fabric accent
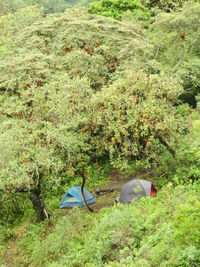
153 191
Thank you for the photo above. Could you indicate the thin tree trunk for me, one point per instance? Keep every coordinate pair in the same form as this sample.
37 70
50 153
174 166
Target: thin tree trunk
171 151
82 191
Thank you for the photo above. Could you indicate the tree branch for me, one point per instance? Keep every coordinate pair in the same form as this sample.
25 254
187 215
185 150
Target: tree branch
171 150
21 190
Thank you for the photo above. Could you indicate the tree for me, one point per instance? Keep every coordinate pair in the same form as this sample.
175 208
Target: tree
41 141
166 6
68 99
134 117
50 6
35 57
7 6
116 9
177 36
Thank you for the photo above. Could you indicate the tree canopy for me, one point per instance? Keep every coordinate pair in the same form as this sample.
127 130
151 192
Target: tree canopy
177 36
67 99
102 93
118 9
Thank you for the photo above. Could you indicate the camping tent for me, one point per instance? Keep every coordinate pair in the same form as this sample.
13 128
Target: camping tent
135 189
73 197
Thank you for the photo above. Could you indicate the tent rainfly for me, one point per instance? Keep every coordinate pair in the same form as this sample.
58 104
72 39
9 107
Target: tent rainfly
73 197
136 189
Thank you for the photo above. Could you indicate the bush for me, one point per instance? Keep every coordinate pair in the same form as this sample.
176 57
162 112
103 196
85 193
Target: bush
177 36
163 5
117 8
185 166
187 215
163 231
133 116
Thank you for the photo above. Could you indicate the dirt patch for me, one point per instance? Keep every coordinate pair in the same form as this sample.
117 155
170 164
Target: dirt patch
12 253
116 182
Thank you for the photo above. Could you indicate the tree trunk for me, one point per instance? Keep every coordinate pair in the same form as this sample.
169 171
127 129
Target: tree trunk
82 191
38 204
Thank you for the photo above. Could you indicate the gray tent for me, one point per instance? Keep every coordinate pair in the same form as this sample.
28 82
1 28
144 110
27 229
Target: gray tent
135 189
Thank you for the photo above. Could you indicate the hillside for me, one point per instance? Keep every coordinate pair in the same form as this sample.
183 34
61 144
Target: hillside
107 94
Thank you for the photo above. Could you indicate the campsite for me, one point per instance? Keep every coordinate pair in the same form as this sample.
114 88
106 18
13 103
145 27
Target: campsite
99 133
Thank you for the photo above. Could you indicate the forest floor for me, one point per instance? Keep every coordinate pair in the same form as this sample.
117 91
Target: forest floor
115 183
12 254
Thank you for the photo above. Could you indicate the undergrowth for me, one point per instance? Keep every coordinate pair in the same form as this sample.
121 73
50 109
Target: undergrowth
162 231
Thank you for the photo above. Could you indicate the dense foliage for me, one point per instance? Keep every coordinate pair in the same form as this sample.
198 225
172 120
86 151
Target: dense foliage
52 118
168 6
177 36
7 6
118 9
84 92
50 6
164 232
156 232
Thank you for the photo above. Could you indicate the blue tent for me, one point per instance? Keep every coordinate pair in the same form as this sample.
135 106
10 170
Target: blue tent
73 197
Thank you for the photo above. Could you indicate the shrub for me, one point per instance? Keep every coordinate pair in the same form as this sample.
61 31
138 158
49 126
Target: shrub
187 215
185 166
163 5
162 231
117 8
177 36
133 115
